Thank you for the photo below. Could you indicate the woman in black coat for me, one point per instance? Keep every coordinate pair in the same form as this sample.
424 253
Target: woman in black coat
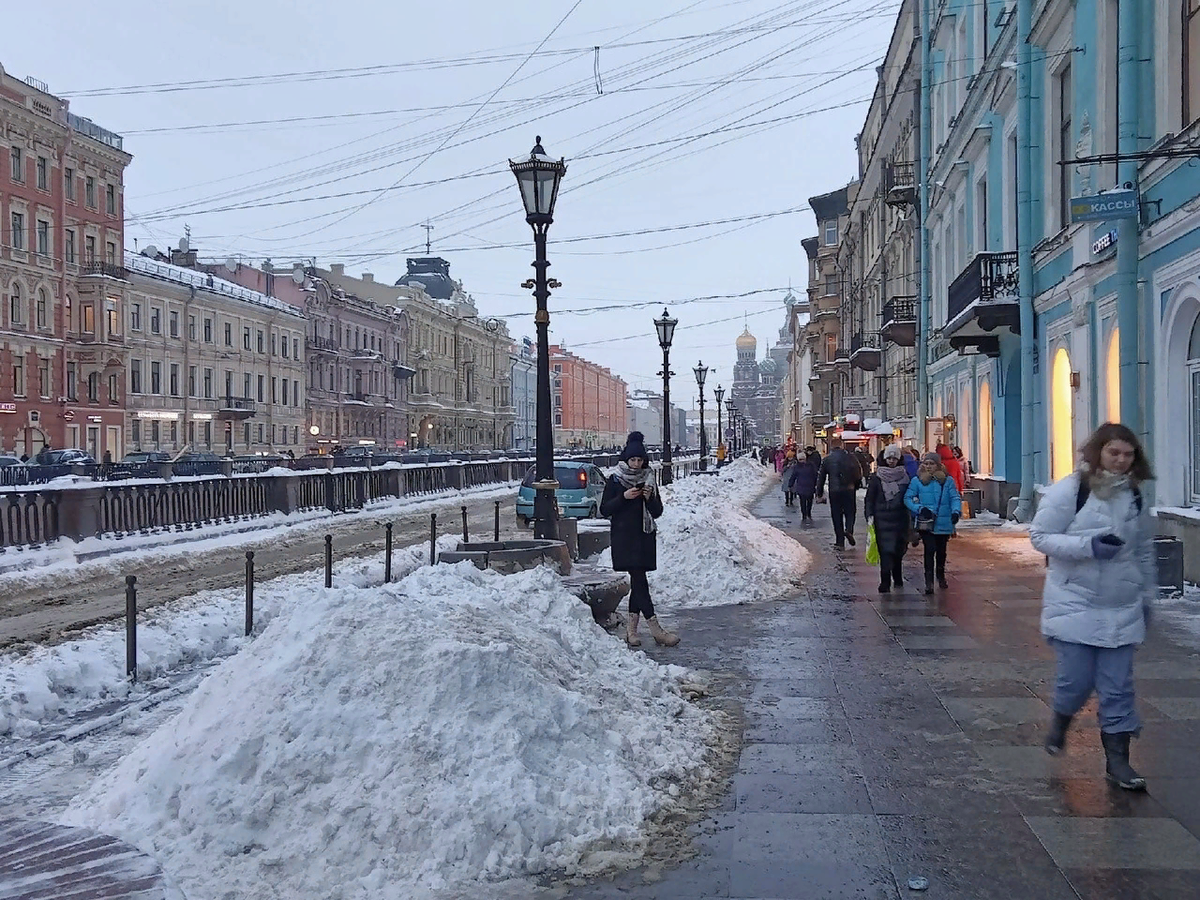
631 503
804 484
884 505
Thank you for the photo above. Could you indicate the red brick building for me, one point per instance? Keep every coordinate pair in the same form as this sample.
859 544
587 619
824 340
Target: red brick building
588 402
62 357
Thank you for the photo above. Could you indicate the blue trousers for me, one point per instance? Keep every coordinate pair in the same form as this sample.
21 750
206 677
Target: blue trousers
1108 671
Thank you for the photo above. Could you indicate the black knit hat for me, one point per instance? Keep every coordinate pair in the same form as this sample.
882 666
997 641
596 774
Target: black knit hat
635 445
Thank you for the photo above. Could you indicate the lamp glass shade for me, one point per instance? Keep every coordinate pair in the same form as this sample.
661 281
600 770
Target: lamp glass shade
539 178
719 393
666 329
729 406
701 371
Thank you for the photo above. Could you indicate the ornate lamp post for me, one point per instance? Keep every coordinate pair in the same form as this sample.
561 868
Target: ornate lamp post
729 408
538 177
701 371
666 333
719 393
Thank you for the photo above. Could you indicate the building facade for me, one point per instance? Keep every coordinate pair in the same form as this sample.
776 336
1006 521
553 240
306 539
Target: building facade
212 365
62 355
459 393
589 402
522 363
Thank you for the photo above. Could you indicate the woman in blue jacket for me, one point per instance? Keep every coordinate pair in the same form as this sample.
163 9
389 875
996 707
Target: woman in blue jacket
935 503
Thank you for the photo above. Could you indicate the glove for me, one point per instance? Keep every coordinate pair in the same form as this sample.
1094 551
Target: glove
954 517
1106 546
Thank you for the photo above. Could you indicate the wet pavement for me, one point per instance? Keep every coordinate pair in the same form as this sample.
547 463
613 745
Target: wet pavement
891 737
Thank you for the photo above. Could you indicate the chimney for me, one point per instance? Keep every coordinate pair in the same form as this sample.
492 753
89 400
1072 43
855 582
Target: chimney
367 276
338 269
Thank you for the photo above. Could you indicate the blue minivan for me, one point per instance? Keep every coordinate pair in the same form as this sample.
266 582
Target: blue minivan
580 488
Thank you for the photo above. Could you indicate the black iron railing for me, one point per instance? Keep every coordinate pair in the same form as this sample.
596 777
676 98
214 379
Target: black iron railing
112 270
988 278
899 309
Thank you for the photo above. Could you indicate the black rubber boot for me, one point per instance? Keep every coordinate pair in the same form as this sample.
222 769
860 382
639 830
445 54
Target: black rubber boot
1116 767
1058 733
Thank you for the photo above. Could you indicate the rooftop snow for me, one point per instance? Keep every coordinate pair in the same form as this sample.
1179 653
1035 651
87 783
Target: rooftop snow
152 268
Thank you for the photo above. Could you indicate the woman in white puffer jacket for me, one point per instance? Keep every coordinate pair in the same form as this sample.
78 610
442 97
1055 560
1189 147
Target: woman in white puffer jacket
1099 540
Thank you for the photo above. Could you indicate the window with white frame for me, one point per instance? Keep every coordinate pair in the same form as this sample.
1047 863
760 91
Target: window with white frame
17 159
1065 143
831 232
17 237
43 173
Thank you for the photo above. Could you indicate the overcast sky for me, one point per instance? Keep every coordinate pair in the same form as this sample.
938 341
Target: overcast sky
691 112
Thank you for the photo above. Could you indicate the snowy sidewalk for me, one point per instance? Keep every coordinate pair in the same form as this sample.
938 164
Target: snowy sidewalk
894 738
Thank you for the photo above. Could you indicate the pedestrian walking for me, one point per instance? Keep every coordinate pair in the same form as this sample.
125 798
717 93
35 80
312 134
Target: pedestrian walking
1098 538
911 462
934 501
841 471
804 484
785 476
631 503
884 506
952 466
865 463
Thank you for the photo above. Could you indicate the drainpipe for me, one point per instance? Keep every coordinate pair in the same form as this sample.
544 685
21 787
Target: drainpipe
1024 510
923 161
1129 30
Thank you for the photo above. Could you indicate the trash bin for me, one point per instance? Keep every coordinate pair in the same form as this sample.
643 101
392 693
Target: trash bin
1168 552
972 502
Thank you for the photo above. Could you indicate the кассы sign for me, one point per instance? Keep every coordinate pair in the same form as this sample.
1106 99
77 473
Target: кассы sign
1103 207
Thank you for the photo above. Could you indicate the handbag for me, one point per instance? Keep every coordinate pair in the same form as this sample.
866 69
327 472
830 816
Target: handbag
927 518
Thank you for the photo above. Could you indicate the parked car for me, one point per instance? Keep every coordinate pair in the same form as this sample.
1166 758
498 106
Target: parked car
6 461
580 488
13 471
139 464
197 462
64 458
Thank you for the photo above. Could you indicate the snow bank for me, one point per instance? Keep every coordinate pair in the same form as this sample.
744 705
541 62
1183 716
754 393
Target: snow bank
49 682
459 727
712 551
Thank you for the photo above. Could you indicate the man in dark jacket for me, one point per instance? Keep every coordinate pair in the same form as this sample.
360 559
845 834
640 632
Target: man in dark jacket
844 477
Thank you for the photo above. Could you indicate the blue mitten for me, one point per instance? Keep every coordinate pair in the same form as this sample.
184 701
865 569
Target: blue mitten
1106 546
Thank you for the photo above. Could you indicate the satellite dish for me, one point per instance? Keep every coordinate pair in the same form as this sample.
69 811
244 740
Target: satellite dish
298 274
150 251
231 264
184 246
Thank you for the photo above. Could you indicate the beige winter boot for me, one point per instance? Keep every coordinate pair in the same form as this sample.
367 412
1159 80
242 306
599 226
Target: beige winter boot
666 638
631 627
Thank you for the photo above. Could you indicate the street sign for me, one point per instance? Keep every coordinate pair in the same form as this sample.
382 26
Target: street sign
1104 207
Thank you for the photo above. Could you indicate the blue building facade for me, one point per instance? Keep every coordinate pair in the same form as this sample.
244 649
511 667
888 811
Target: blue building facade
1086 61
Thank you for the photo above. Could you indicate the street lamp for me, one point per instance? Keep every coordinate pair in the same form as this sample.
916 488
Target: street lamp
538 177
666 333
719 393
701 371
732 426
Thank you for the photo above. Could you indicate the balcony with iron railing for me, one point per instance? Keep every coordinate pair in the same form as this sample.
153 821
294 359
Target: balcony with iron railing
898 321
323 345
901 183
865 352
106 269
231 407
982 301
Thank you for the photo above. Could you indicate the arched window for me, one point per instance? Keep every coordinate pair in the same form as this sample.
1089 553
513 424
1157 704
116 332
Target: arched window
1112 377
1062 414
43 308
986 461
1193 365
14 311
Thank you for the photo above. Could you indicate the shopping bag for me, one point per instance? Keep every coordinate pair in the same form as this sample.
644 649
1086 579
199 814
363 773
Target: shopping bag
872 546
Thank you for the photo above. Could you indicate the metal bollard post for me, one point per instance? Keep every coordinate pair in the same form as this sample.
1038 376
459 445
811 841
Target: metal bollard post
387 553
131 627
249 592
496 529
432 538
329 560
466 534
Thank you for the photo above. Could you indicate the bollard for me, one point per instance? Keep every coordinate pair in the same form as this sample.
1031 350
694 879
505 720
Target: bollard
432 538
249 592
131 628
466 535
329 560
496 528
387 553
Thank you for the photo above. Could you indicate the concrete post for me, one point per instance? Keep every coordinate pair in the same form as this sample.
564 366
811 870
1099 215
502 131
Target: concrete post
1129 102
1025 505
924 158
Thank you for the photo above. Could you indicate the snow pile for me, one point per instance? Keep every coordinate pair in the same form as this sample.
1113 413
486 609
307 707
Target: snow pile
48 682
712 551
459 727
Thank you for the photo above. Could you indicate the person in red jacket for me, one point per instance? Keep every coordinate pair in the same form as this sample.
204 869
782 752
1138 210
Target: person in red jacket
952 466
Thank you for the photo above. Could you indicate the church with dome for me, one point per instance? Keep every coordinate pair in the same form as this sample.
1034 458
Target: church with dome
756 384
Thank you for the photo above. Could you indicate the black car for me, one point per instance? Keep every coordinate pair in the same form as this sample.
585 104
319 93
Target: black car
63 458
139 464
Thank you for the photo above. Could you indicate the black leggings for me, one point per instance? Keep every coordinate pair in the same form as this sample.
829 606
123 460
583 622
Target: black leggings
806 503
935 555
639 596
